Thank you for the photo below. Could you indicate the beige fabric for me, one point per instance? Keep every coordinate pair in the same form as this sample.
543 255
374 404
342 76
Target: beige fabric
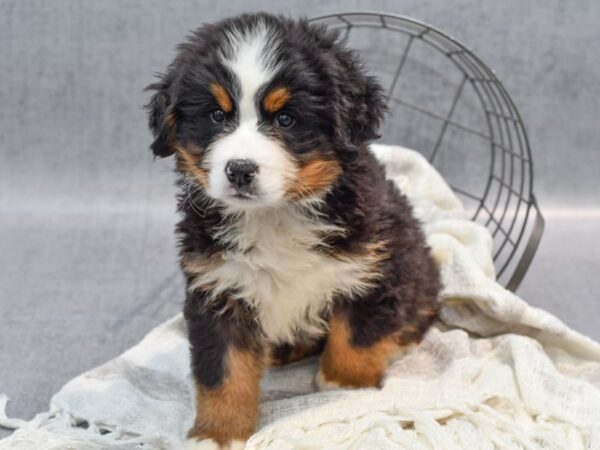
492 373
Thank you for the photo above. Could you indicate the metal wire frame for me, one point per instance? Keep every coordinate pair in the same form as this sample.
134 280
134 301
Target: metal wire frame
507 205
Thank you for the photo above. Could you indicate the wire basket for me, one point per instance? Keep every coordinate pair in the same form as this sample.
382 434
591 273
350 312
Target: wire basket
446 103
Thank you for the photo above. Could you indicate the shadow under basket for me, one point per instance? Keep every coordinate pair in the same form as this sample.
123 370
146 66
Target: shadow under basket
446 103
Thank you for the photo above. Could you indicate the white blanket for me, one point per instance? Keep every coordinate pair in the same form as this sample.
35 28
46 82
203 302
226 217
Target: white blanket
493 372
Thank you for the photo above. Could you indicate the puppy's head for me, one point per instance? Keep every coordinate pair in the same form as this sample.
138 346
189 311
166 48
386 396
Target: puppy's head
262 110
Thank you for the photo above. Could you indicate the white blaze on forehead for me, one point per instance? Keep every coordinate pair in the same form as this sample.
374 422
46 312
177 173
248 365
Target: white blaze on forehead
252 64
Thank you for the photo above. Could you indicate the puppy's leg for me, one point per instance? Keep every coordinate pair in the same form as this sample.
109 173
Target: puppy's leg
226 415
346 364
227 364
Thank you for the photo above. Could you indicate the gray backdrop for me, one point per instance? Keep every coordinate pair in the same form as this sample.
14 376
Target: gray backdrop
87 256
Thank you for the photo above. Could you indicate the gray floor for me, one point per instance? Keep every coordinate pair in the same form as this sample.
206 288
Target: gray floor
87 256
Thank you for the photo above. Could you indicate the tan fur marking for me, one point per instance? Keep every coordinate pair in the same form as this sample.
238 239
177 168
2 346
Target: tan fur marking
222 97
412 332
188 162
194 265
300 351
350 366
230 411
374 253
171 121
276 99
410 329
314 179
427 311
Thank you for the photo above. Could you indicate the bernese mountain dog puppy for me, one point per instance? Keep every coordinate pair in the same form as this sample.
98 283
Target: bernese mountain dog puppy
292 241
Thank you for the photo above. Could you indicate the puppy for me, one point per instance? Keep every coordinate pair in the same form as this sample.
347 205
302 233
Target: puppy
292 241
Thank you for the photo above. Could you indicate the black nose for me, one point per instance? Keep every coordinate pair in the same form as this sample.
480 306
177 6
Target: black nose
241 172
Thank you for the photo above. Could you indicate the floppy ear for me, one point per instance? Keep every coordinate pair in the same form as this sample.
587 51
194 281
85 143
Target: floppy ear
160 120
362 108
368 109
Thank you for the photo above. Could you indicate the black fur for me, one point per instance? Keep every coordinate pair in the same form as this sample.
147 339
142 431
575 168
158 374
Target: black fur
211 330
338 109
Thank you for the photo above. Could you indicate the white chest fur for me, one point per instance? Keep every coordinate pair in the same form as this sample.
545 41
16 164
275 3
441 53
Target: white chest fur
280 274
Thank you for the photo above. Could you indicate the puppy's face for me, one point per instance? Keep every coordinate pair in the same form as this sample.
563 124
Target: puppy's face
261 110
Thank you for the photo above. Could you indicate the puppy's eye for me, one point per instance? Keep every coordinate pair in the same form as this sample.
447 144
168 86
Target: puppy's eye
284 120
217 115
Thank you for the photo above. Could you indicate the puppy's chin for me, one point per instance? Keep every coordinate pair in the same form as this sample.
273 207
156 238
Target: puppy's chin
237 202
243 203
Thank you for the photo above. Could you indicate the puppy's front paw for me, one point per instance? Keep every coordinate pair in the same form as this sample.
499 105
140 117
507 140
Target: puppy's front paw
325 385
210 444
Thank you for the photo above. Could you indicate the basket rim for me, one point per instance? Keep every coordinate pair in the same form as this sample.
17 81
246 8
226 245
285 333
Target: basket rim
447 36
532 211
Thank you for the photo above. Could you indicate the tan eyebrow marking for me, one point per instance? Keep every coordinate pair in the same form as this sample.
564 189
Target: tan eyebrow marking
276 99
222 97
